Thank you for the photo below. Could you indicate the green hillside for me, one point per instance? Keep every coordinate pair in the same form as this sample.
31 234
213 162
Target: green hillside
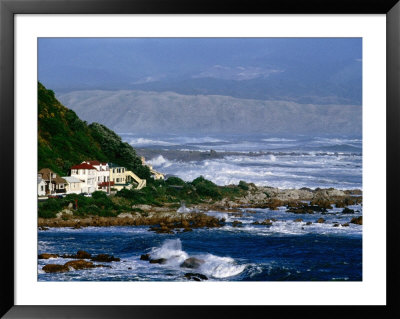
64 140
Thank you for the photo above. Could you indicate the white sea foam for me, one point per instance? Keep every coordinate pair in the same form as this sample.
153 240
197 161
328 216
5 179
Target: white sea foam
158 161
140 141
277 139
220 267
170 250
213 266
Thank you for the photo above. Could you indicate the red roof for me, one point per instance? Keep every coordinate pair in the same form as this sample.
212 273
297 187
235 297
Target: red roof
83 166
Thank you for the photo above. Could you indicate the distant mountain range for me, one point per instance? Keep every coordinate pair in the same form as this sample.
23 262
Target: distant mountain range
302 70
145 112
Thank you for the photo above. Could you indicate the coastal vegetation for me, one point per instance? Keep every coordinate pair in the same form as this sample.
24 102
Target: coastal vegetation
171 192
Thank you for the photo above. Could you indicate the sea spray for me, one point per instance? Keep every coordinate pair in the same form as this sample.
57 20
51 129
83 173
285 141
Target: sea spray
213 266
171 250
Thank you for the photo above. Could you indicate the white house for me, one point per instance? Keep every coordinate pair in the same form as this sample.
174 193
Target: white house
74 185
41 184
54 183
103 171
88 176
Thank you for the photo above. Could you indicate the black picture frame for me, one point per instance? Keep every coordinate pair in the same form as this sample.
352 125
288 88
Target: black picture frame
9 8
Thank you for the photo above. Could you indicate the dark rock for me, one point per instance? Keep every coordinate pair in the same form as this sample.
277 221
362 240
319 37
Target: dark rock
356 220
320 205
192 262
345 225
320 221
104 258
298 220
301 208
158 261
308 223
43 228
50 268
336 225
347 210
47 256
195 276
145 257
81 254
237 223
266 222
79 264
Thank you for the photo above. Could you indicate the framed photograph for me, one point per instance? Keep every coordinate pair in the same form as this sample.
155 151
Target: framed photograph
192 158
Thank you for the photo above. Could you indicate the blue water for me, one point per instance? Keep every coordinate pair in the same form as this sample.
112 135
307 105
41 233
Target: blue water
285 251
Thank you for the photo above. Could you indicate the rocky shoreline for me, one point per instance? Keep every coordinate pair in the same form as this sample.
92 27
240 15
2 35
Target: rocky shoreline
166 219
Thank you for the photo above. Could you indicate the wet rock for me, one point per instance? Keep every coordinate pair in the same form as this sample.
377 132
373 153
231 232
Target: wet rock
298 220
308 223
266 222
192 262
237 223
320 221
51 268
356 220
81 254
345 225
321 205
47 256
104 258
43 228
336 225
79 264
195 276
301 208
347 210
340 204
158 261
273 204
145 257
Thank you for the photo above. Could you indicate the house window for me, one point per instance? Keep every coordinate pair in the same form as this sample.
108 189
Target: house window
41 188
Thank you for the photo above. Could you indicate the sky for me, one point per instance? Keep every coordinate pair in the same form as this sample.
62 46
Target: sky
304 70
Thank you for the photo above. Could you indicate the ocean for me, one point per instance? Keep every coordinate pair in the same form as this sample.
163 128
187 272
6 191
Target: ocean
285 251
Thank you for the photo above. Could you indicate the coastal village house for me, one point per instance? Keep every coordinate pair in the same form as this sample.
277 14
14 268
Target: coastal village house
74 185
122 178
103 171
41 186
54 183
88 176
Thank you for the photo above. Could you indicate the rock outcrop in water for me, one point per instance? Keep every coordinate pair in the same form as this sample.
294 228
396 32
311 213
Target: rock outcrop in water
192 262
70 265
